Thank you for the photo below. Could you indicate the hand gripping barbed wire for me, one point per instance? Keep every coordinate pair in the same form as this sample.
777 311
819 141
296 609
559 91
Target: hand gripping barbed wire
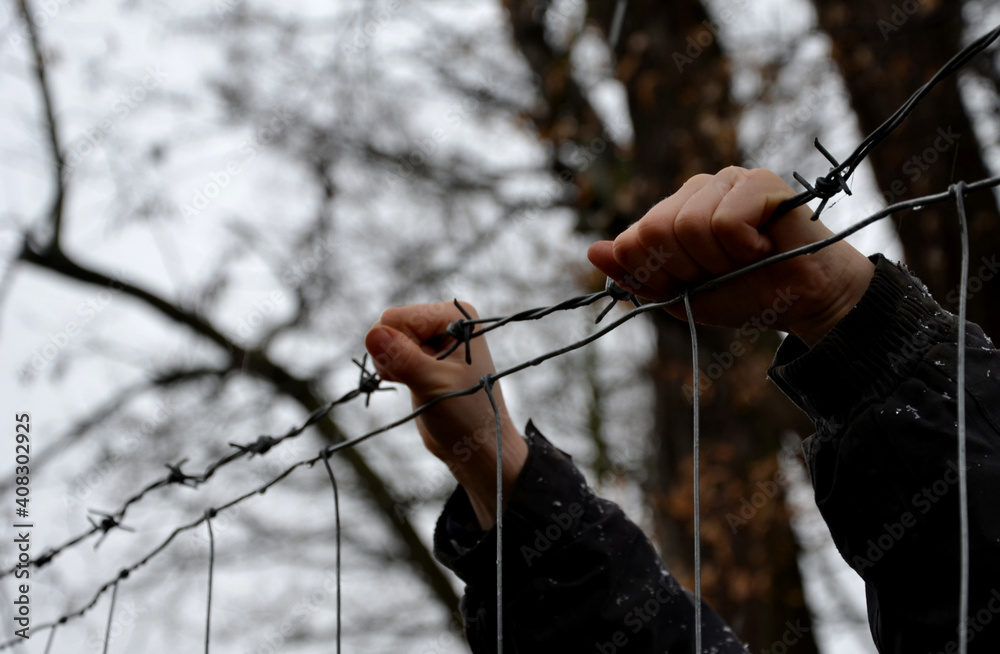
607 328
463 331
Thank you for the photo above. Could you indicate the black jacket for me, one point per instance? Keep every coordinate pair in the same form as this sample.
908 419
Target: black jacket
881 389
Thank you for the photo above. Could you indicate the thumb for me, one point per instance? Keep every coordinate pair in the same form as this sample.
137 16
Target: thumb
397 358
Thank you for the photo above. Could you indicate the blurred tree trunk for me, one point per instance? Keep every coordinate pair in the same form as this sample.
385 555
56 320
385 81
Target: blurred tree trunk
886 50
677 84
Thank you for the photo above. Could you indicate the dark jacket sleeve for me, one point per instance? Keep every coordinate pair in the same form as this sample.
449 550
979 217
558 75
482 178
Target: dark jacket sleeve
882 390
578 576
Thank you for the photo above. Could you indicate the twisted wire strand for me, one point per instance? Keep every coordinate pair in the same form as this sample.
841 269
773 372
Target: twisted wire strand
826 187
368 384
835 181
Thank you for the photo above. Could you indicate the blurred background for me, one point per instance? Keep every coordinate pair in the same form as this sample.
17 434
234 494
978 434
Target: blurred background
204 205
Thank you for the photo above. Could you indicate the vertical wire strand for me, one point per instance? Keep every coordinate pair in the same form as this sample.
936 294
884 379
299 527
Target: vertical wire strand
111 615
963 489
52 636
488 387
209 513
336 518
696 464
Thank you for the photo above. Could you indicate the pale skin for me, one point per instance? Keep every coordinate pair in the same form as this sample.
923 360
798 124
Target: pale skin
710 226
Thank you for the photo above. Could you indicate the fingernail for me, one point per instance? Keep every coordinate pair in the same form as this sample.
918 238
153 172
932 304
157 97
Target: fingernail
378 341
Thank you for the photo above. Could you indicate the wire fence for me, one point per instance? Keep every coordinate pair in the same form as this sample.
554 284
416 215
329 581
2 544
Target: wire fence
464 330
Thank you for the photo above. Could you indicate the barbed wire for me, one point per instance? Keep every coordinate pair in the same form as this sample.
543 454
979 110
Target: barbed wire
368 384
464 330
329 450
835 181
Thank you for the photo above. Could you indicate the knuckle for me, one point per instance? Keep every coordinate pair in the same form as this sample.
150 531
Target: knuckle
725 224
649 232
688 223
620 250
390 316
700 178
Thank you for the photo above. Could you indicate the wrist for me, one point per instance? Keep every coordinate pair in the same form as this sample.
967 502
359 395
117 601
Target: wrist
476 472
849 281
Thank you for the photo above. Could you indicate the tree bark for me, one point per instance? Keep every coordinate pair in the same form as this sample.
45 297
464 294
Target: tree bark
886 50
685 124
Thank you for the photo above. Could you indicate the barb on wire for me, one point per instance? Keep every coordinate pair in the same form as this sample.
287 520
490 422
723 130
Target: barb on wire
464 330
461 331
836 180
607 328
104 526
617 294
177 476
368 383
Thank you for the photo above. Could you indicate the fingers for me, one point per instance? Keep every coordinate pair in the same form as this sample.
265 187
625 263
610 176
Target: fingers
708 227
694 222
600 254
422 322
405 343
397 357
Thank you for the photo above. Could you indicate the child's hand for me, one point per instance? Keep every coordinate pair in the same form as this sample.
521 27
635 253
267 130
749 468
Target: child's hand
710 227
461 431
